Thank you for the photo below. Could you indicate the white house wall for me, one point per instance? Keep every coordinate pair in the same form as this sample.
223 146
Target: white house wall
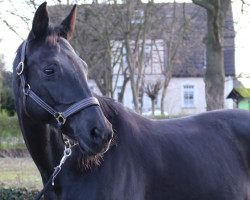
174 96
229 84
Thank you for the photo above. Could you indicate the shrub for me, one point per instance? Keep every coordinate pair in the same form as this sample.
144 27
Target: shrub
10 134
7 101
13 193
9 126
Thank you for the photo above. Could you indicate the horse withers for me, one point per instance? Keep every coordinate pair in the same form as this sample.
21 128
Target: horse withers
203 157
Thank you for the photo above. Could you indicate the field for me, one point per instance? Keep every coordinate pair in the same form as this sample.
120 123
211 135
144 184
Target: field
19 172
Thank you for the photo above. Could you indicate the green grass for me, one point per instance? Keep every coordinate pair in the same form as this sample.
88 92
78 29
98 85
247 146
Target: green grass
10 134
12 146
19 172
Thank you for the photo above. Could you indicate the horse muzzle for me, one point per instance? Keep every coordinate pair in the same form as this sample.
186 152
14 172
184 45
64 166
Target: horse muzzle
93 135
98 142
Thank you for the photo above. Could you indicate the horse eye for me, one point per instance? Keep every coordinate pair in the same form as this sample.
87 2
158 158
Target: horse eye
48 71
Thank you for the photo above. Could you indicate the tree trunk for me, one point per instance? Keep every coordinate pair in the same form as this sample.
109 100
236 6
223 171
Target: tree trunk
170 57
131 67
215 75
164 89
153 107
125 81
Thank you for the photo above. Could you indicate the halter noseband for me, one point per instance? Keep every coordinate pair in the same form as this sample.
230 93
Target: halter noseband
59 116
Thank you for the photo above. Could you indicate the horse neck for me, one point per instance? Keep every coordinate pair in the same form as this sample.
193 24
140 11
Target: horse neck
42 142
129 127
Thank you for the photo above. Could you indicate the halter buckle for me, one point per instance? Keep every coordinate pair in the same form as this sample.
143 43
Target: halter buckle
19 68
60 118
26 89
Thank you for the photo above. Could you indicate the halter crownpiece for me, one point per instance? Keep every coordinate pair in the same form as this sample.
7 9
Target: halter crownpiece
60 117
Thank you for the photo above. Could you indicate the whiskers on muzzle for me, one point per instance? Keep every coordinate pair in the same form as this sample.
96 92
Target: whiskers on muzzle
87 161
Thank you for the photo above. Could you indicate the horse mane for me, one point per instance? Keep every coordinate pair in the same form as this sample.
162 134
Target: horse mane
110 107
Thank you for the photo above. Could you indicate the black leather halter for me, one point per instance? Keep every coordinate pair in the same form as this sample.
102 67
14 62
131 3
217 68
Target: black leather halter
60 116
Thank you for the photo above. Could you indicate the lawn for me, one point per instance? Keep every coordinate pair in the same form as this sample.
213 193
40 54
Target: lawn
19 172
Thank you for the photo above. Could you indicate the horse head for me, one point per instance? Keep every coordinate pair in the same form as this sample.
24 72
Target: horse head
58 76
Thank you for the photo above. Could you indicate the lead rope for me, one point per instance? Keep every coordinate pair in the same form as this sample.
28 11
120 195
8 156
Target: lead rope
67 152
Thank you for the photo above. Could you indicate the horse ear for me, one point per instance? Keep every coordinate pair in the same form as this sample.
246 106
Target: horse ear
68 24
41 21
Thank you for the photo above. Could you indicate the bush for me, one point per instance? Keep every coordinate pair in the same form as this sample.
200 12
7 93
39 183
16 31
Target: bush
10 134
13 193
9 126
7 101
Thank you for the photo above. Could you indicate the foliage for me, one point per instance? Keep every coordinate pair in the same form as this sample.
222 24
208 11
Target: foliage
6 96
13 193
10 134
1 69
1 60
9 126
7 101
153 89
7 79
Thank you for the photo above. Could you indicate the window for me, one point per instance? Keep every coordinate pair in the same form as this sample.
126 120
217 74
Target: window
188 95
137 17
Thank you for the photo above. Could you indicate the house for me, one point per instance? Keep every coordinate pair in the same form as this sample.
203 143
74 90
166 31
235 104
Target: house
186 90
241 96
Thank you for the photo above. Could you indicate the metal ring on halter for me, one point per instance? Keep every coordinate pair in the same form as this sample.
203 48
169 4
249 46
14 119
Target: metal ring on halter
26 89
60 118
67 144
19 68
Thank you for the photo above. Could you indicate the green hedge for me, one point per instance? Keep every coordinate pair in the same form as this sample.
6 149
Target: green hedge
7 101
9 126
12 193
10 133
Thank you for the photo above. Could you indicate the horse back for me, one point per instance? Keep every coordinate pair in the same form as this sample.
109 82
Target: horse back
201 157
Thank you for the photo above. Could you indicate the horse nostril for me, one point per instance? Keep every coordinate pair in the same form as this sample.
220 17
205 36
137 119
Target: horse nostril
96 133
99 135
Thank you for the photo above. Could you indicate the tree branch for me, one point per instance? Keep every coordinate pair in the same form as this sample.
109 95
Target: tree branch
205 4
12 29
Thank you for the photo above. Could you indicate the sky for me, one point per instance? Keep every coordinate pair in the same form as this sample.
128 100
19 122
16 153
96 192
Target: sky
10 41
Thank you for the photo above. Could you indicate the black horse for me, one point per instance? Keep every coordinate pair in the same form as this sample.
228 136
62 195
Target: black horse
204 157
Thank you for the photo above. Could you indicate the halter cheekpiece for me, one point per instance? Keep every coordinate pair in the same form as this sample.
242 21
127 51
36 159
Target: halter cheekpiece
60 117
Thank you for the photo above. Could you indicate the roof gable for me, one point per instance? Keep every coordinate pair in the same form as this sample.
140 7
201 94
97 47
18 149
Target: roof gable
239 93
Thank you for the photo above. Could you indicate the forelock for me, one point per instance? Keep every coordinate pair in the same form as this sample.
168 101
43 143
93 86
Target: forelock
53 35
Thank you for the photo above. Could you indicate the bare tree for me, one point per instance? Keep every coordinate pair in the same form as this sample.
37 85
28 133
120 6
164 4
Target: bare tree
152 90
177 29
135 21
